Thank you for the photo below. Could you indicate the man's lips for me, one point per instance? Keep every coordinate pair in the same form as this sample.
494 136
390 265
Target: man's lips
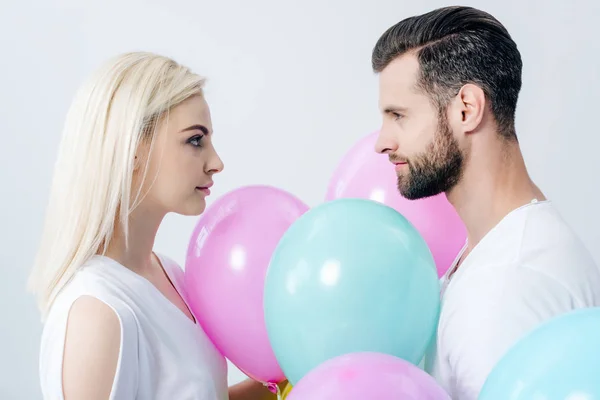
398 165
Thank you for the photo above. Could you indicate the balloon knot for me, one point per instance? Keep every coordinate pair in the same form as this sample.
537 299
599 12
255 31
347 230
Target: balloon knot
273 388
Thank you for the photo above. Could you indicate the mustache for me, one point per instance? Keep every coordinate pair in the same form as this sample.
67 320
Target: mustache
394 158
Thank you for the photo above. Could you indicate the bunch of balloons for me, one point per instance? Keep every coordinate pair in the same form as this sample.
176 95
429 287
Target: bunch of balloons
342 299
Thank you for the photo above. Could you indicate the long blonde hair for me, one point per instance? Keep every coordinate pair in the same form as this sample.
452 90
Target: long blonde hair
111 114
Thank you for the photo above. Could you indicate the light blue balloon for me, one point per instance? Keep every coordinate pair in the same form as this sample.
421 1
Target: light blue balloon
350 275
559 360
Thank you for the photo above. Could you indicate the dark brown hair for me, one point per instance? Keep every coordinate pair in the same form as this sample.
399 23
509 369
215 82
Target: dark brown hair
455 46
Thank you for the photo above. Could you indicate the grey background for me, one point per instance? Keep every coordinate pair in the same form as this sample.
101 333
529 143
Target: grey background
291 89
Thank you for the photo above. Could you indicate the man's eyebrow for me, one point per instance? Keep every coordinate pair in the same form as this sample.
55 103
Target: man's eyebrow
394 109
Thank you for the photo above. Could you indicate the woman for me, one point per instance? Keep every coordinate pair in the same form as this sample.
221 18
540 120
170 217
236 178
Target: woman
137 145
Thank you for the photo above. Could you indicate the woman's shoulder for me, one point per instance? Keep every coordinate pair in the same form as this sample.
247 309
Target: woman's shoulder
89 309
97 279
92 345
113 284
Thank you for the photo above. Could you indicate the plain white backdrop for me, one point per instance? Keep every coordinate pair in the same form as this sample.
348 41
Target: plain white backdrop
291 89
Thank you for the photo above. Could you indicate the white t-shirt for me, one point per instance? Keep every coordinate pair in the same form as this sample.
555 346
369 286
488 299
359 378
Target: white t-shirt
163 354
526 270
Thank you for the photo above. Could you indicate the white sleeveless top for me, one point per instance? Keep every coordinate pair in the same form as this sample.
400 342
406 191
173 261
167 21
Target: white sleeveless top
163 354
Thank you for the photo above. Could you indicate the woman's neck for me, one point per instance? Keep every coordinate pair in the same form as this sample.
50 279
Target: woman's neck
136 252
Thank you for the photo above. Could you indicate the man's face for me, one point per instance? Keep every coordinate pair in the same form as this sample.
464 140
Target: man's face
415 134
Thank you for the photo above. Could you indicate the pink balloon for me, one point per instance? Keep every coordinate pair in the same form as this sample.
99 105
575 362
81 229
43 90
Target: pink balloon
360 376
226 266
365 174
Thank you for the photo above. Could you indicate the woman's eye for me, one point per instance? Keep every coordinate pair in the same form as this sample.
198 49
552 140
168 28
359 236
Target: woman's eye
397 116
196 140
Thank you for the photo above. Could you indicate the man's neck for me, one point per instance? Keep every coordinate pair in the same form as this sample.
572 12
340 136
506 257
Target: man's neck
492 187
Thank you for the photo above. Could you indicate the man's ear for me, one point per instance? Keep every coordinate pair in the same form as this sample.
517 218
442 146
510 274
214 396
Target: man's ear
471 103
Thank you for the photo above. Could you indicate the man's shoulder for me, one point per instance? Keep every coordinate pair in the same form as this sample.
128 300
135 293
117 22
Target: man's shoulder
545 279
534 250
550 247
542 228
537 239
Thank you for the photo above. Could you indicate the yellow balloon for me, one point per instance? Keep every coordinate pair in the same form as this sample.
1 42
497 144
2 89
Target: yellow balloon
286 391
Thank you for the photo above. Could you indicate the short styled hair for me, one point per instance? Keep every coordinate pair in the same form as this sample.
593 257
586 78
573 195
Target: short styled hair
455 46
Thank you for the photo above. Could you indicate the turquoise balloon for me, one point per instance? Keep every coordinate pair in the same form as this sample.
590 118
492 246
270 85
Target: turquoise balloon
559 360
350 275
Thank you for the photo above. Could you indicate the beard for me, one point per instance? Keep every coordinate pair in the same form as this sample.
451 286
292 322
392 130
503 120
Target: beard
438 169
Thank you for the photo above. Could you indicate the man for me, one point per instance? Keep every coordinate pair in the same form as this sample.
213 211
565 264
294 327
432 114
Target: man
449 81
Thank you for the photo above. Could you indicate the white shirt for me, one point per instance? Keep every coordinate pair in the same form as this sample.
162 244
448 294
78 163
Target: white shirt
527 269
163 354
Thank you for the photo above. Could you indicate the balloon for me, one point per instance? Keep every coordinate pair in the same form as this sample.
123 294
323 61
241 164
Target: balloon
367 375
350 275
558 360
365 174
226 265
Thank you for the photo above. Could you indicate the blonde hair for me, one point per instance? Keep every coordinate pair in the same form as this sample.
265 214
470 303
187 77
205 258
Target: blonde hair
111 114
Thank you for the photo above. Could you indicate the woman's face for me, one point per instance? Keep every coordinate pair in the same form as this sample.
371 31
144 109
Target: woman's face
180 166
